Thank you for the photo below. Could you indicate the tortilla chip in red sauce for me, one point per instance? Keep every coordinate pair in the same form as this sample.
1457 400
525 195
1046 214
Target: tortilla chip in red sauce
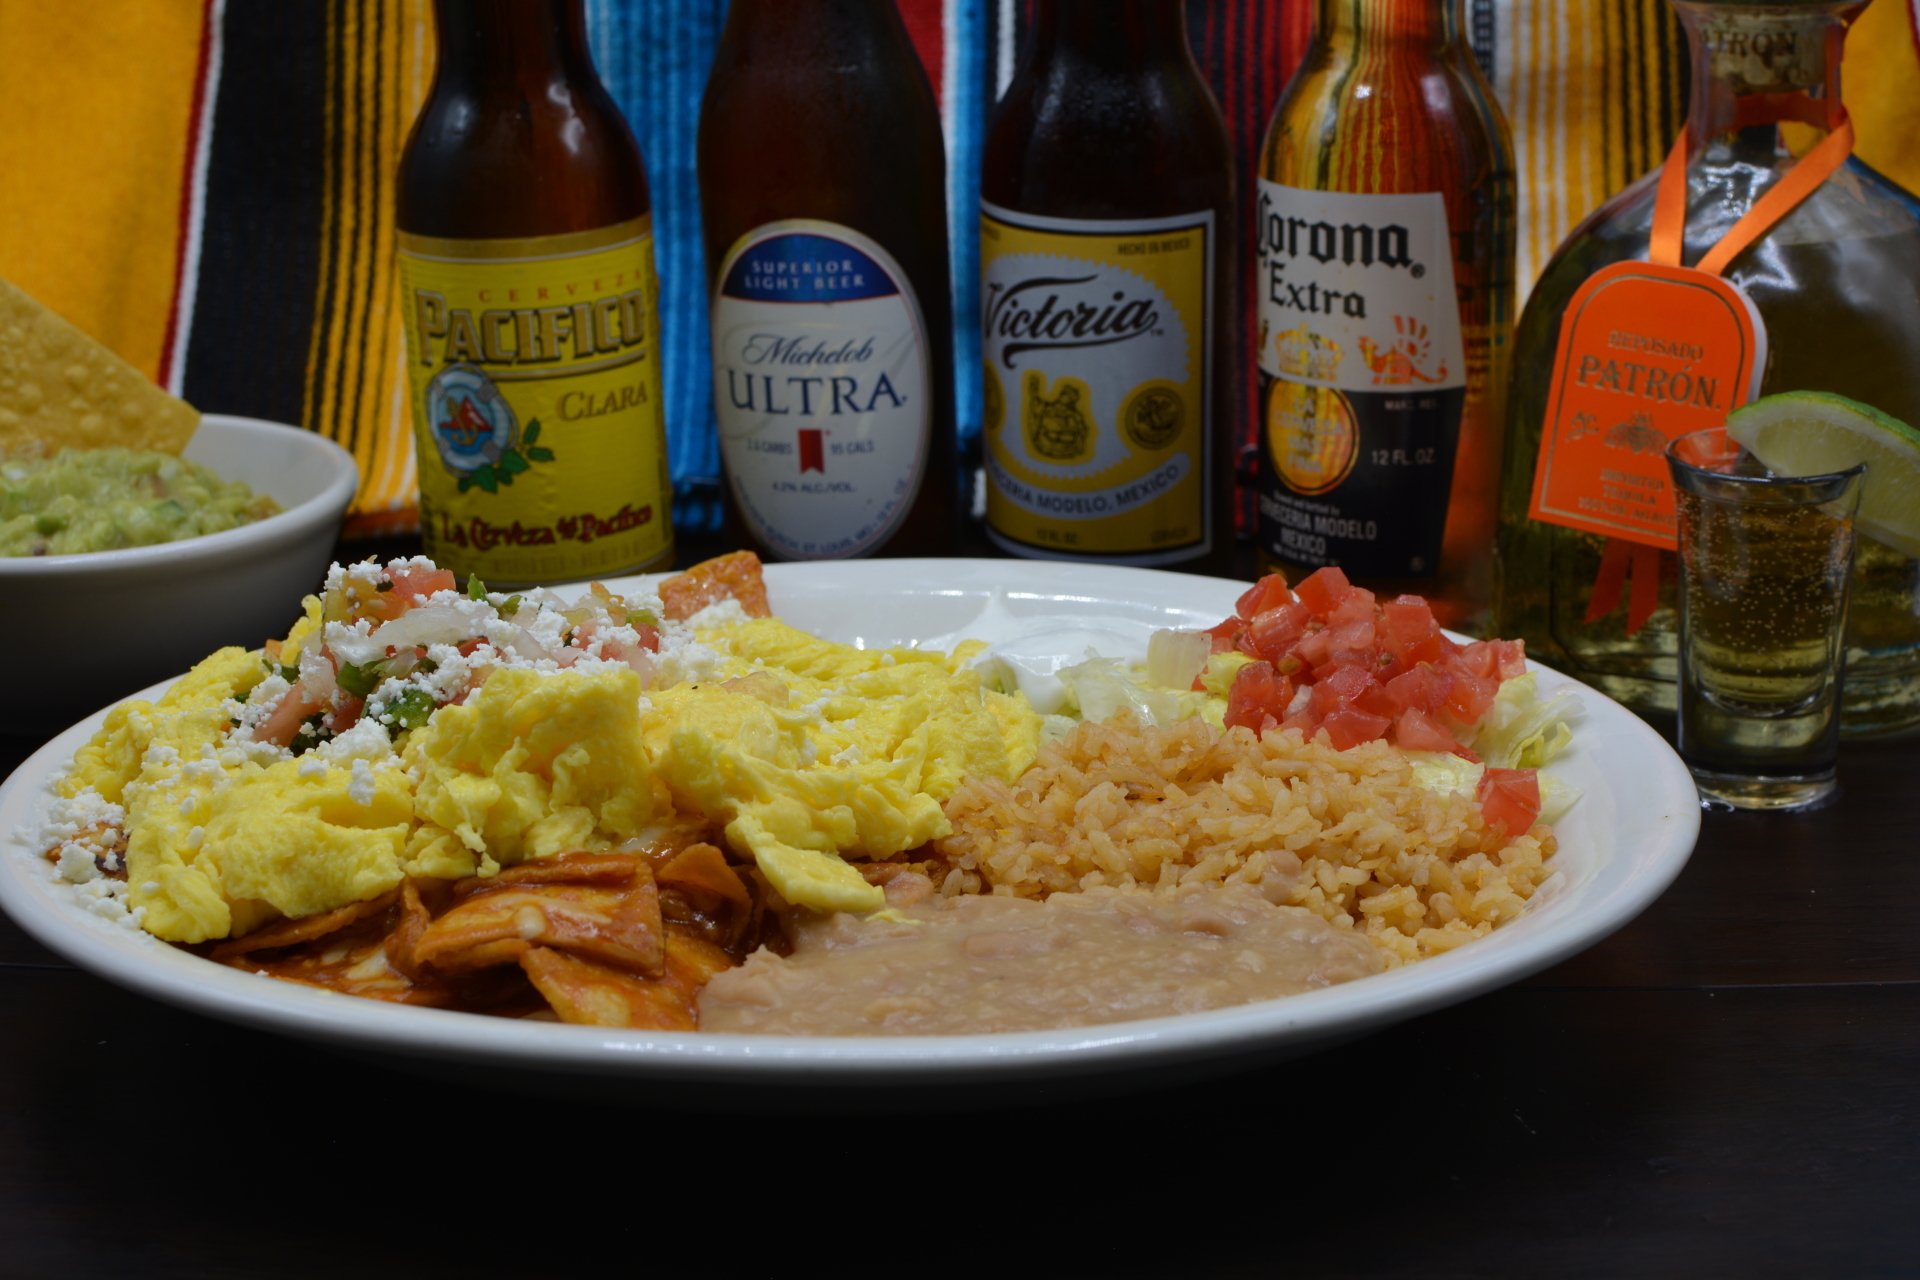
734 576
596 994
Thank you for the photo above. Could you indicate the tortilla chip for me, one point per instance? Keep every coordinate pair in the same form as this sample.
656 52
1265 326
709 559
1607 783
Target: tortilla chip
60 389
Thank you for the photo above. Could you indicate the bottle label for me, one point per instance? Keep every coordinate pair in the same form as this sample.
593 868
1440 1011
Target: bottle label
1098 356
1363 376
535 376
1647 353
821 387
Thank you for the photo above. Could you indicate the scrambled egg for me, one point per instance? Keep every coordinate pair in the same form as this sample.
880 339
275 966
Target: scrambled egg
532 765
804 751
808 750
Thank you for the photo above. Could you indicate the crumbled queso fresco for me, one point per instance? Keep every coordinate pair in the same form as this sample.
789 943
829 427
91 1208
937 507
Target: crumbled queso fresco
433 654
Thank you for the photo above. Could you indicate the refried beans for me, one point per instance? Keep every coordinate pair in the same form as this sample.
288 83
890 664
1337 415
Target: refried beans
985 964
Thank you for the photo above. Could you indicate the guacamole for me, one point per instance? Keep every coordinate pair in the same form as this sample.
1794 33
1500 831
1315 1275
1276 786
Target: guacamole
104 499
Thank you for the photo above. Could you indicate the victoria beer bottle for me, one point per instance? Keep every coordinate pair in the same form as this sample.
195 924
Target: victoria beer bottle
1385 245
823 188
1107 236
530 306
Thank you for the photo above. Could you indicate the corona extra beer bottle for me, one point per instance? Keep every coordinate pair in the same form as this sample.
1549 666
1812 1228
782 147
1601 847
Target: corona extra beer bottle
1107 243
1384 301
530 307
823 194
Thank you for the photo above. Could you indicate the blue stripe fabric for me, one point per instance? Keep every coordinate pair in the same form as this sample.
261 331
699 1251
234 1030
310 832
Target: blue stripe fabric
654 56
964 107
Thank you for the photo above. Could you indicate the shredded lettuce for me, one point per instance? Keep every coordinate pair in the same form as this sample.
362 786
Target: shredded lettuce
1522 730
1442 771
1101 688
1220 670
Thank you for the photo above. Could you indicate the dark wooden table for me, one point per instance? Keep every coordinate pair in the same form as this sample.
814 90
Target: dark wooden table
1723 1088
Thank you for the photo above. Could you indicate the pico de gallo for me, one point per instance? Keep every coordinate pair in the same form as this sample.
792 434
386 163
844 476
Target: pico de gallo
1329 657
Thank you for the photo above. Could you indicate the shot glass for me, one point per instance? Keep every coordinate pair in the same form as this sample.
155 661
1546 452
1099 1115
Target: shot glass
1764 565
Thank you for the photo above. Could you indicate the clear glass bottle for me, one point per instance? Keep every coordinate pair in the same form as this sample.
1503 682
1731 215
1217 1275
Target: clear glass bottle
1837 285
1384 290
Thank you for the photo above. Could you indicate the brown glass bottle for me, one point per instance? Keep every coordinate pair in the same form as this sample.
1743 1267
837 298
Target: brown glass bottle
1107 252
823 190
1384 287
530 301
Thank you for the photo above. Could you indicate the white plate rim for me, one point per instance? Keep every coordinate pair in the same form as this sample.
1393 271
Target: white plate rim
1664 802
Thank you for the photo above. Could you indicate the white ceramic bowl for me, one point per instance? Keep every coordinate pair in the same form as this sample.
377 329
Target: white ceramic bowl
79 630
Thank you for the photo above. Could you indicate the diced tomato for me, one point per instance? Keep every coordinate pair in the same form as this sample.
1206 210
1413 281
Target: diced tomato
410 584
1356 654
1479 658
1269 593
1420 688
1347 683
1258 698
1510 798
286 717
1356 607
1511 657
1404 623
1323 590
347 714
1227 635
1469 697
1314 648
1304 721
1350 726
1354 637
649 635
1274 630
1375 698
1415 730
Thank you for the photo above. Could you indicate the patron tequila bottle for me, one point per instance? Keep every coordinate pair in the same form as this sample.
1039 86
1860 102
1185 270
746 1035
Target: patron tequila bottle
1836 284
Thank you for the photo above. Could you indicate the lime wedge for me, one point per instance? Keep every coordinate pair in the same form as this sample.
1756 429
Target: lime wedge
1811 433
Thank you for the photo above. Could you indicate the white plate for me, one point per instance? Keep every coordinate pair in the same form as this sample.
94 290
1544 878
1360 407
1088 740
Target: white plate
1621 845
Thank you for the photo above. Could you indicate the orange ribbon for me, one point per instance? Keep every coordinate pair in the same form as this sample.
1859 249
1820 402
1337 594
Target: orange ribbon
1634 567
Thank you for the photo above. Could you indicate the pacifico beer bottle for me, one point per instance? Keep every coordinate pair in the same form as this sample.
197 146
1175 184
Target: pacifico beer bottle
529 296
1107 236
823 189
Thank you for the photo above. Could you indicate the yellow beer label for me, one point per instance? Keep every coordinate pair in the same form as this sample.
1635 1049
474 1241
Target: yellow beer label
535 374
1097 358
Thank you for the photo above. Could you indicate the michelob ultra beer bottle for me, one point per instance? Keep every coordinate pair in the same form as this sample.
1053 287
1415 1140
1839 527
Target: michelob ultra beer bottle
529 298
1107 238
823 193
1384 303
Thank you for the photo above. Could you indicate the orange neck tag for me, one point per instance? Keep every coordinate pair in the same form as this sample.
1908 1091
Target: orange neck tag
1647 353
1652 350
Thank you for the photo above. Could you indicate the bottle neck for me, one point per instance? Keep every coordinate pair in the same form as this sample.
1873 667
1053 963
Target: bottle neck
776 22
1743 51
482 41
1358 23
1140 33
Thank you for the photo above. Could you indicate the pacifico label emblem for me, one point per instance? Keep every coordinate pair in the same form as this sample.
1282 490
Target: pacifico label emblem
471 422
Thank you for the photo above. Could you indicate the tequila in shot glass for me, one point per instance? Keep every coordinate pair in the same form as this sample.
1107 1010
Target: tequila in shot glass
1764 567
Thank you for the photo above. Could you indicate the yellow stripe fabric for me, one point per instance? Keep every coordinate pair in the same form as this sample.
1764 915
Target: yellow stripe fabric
1588 87
98 110
379 60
